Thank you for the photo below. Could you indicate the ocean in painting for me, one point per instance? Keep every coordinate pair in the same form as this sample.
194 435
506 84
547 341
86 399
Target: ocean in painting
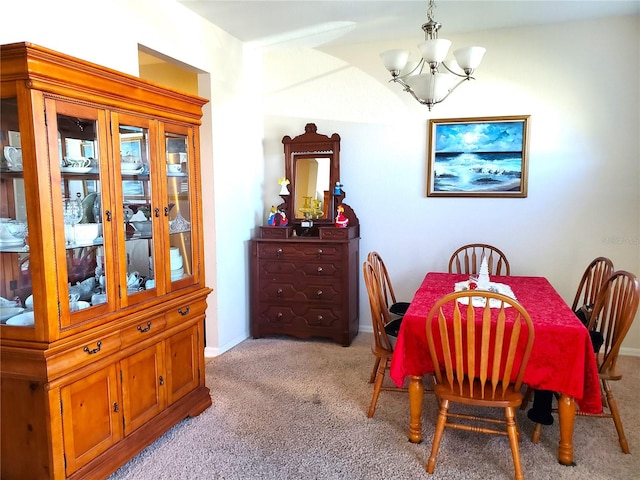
477 172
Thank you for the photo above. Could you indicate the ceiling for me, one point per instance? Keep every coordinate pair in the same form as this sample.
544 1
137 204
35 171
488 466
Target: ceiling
341 22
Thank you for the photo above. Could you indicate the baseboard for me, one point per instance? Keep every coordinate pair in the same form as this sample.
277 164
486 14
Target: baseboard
210 352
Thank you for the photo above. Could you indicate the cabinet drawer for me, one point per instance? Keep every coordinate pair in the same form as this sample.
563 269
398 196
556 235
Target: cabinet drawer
300 251
142 330
185 312
94 350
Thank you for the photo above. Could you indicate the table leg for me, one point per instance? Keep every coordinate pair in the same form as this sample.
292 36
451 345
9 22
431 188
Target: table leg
416 393
567 416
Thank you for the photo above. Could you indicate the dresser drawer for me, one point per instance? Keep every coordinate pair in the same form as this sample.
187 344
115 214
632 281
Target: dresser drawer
276 316
300 251
142 330
276 291
310 271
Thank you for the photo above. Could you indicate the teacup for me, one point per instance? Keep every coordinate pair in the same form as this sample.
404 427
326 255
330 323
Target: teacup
174 168
134 279
13 155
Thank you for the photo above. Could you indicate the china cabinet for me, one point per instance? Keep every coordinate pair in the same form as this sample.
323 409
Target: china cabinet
102 293
305 274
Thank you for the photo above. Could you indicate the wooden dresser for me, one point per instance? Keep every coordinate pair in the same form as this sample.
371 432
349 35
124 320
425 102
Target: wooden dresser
306 287
304 275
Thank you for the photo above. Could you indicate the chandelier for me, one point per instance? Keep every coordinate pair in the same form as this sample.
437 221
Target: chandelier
425 81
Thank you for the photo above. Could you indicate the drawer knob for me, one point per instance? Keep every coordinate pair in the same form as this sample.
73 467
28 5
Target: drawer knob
279 292
95 350
319 270
279 316
319 252
184 312
319 293
145 329
278 252
320 318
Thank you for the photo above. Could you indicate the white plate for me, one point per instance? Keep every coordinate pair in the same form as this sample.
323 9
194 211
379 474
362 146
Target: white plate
8 312
25 319
75 169
81 305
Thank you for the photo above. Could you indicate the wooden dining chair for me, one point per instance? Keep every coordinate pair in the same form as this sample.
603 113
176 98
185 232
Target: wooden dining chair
467 259
594 276
381 347
395 307
590 284
613 312
479 361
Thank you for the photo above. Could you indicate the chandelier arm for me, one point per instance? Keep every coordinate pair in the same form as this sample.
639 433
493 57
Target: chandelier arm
452 89
456 73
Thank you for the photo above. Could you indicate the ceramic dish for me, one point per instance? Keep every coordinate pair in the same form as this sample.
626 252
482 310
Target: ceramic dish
12 243
8 312
127 170
25 319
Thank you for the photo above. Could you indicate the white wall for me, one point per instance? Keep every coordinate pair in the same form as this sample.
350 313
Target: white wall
579 82
584 176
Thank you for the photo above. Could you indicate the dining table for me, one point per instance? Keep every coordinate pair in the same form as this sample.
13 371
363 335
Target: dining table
562 359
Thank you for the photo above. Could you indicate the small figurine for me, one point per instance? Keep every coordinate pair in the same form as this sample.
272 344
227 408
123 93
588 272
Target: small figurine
277 218
283 182
341 220
337 190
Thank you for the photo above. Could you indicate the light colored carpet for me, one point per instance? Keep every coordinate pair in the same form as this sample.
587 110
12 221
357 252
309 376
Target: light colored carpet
296 409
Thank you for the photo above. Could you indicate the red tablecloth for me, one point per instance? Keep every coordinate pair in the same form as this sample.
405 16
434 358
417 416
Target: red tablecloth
562 358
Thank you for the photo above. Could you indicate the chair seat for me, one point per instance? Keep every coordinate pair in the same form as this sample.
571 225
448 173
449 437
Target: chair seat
511 397
399 308
393 327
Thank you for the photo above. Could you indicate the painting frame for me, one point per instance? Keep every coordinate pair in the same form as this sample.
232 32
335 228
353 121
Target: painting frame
478 157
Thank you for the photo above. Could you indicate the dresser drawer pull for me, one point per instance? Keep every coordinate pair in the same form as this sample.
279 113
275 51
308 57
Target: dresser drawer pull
319 252
279 292
279 316
184 312
278 252
319 270
319 293
145 329
320 318
95 350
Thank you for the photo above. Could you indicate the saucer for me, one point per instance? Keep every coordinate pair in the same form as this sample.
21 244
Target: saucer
75 169
130 171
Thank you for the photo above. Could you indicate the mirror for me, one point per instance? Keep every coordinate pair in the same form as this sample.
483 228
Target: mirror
312 165
312 187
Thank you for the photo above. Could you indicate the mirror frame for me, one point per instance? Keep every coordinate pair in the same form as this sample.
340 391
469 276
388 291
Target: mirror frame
311 144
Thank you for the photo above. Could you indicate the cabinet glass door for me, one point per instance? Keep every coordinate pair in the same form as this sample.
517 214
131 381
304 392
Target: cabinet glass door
16 301
79 161
179 204
134 162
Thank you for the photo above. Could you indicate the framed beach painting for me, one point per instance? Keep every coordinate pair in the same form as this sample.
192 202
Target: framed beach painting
478 157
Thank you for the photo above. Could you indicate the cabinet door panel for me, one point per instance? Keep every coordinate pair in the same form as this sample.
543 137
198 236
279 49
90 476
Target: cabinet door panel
91 417
182 363
143 390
